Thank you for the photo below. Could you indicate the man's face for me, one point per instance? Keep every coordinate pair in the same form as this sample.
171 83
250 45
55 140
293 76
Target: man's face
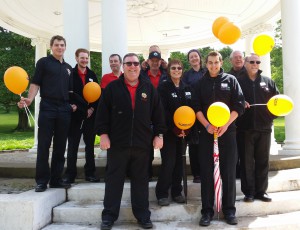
131 72
252 64
58 48
154 63
194 59
82 59
237 61
115 63
213 65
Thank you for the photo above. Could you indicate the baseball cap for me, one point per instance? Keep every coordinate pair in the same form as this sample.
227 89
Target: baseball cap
154 54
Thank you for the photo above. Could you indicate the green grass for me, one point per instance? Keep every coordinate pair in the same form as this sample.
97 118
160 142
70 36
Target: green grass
11 139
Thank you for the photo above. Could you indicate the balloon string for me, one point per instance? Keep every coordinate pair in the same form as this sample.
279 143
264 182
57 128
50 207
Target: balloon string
27 111
257 104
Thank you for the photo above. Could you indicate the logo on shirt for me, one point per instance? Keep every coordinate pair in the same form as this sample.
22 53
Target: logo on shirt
188 95
174 94
144 97
69 72
224 86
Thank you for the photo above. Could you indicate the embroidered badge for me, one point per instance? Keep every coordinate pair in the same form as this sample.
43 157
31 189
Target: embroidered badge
174 94
69 72
144 97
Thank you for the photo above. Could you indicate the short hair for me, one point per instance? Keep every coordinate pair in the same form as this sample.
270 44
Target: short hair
214 54
172 62
130 55
156 47
59 38
113 55
250 55
236 51
81 50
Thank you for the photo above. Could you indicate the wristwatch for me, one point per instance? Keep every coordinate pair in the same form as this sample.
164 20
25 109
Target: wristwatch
161 136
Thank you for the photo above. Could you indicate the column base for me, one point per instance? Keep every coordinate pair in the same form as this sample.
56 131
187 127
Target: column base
289 152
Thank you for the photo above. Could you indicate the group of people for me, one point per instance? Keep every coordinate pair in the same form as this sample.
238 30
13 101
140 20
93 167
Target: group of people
134 116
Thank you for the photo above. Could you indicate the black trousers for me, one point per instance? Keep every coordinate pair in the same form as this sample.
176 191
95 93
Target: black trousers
54 121
135 162
78 128
170 175
227 163
255 162
194 159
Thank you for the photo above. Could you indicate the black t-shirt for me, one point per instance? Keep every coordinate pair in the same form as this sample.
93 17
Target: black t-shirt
55 78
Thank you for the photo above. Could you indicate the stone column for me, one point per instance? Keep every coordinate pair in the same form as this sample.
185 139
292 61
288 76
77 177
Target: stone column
41 46
114 30
290 19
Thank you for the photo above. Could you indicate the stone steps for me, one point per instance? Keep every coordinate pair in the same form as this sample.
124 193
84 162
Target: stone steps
89 212
284 221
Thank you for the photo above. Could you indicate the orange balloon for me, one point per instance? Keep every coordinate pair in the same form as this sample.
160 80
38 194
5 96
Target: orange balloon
16 79
184 117
91 92
229 33
218 23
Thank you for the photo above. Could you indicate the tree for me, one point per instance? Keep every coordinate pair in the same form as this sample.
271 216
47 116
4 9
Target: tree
15 50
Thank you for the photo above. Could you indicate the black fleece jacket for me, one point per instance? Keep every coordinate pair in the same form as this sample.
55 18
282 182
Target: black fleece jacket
127 127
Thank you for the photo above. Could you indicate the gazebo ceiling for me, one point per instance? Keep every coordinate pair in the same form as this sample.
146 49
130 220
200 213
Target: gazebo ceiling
171 24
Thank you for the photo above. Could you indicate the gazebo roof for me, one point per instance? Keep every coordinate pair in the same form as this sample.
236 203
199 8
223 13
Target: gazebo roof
171 24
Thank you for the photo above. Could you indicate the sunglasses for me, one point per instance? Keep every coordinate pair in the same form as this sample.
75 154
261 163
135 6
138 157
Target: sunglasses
135 63
252 62
174 68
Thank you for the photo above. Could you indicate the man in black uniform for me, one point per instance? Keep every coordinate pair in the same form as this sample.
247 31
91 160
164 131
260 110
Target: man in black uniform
216 86
256 126
126 109
53 77
82 121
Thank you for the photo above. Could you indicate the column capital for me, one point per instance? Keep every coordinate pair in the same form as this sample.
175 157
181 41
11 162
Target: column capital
40 41
257 29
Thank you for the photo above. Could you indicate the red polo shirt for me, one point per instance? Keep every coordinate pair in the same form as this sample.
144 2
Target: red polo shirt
82 75
107 78
154 79
132 90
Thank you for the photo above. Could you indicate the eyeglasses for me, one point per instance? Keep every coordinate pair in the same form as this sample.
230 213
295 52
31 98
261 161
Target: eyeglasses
174 68
252 62
130 63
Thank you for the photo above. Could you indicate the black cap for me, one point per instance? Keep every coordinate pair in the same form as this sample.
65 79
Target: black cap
154 55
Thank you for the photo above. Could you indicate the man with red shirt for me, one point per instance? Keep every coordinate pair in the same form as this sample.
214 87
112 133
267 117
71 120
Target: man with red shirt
115 63
126 109
82 121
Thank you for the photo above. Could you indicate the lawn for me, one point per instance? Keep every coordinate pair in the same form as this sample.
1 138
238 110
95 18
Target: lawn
11 139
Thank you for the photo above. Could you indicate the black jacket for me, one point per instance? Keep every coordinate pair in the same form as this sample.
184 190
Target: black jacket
163 76
77 96
257 92
239 73
223 88
172 98
127 127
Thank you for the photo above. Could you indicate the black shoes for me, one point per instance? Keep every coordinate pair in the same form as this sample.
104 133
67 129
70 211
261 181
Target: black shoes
106 225
145 224
60 184
68 180
163 202
179 199
264 197
249 198
40 187
92 179
196 179
231 219
205 220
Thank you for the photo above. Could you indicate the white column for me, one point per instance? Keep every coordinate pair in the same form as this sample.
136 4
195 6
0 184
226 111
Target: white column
40 51
248 44
114 30
76 27
290 19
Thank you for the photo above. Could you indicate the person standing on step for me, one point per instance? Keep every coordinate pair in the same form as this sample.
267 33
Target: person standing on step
217 86
191 77
126 109
82 121
115 63
173 93
53 78
256 125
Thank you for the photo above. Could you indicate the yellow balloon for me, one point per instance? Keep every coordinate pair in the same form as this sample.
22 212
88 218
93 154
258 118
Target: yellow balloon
218 114
218 23
91 92
16 79
184 117
229 33
263 44
280 105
